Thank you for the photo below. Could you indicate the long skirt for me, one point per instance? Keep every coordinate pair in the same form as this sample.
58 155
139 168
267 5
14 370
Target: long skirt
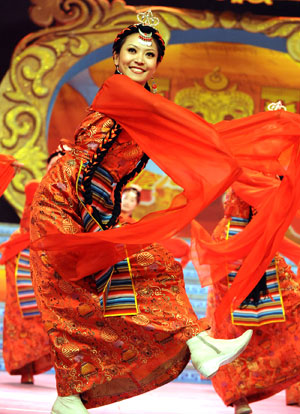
107 359
26 344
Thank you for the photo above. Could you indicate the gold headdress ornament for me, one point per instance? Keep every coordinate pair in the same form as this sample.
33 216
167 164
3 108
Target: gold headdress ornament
146 19
275 106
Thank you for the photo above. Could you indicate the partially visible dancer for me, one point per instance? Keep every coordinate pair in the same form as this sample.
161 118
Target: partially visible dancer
292 393
26 348
121 329
8 168
131 197
271 362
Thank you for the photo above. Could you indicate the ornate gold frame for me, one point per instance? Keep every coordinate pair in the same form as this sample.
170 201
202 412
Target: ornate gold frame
268 2
72 30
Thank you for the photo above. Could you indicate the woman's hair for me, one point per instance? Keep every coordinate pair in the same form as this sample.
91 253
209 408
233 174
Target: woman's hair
91 167
134 28
121 184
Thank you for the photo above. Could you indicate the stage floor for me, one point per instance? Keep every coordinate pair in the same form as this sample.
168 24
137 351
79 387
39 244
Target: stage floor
174 398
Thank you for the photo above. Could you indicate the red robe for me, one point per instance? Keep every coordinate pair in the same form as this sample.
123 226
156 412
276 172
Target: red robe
106 359
26 345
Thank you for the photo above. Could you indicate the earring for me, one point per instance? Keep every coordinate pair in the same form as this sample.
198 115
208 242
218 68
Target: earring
154 86
117 70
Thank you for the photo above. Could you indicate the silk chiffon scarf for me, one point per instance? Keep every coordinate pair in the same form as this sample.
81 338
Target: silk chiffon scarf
204 160
6 171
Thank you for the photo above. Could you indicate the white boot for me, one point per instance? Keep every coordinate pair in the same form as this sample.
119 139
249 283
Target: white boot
242 407
69 405
209 354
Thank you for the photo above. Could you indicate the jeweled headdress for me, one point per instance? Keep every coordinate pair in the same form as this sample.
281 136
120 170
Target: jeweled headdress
275 106
146 19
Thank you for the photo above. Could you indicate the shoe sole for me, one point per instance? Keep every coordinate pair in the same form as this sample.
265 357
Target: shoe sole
247 410
220 363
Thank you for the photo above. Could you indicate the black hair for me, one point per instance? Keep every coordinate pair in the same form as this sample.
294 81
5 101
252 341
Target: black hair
54 154
121 184
261 288
91 168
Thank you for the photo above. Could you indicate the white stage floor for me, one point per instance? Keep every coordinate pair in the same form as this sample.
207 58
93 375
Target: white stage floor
174 398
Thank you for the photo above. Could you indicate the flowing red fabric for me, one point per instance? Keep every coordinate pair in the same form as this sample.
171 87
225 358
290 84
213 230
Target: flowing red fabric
20 241
260 240
290 249
258 141
7 171
213 272
254 187
179 248
11 248
185 146
207 272
196 156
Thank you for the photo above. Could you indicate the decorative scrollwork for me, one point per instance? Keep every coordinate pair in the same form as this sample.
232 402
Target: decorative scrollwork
293 44
268 2
46 13
216 101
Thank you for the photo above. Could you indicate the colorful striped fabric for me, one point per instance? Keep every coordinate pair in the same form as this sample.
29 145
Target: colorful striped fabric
114 285
102 186
118 297
25 292
270 309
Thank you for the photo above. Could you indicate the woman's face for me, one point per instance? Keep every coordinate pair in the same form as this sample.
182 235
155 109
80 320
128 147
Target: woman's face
129 202
137 61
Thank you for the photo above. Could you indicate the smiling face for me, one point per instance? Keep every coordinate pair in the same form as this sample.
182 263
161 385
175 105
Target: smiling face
137 61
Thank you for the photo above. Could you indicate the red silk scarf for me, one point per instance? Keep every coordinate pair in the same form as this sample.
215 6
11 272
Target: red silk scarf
204 160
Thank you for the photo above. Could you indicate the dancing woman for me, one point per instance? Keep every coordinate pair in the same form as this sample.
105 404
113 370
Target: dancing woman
270 362
8 168
120 327
26 349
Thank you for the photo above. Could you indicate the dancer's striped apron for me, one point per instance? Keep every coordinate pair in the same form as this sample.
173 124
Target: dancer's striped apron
270 308
114 284
25 292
